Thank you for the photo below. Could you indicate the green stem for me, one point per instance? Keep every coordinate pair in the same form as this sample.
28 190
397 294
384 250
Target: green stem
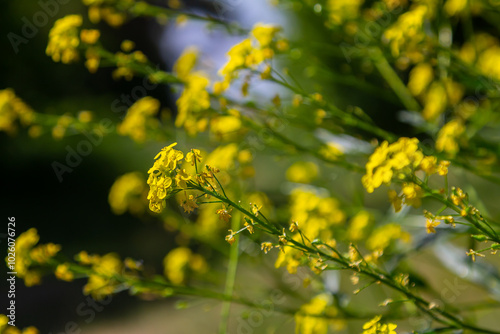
393 80
231 273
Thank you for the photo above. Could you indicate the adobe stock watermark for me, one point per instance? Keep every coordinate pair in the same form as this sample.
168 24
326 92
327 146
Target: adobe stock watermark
83 148
87 309
30 28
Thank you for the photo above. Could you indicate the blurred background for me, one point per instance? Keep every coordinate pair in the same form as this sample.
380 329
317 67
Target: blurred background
75 212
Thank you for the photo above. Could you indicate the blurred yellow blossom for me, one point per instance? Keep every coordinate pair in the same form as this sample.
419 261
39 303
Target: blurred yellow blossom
126 193
343 10
140 117
177 262
63 39
302 172
449 137
309 319
64 273
13 109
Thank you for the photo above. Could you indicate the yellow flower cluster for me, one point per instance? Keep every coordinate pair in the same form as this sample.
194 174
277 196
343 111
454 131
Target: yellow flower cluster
400 159
309 320
226 128
162 175
126 193
102 280
302 172
124 62
194 98
108 13
28 256
315 215
343 10
406 34
140 118
358 224
63 272
12 109
383 236
90 37
449 137
249 53
375 327
63 39
179 260
437 95
6 329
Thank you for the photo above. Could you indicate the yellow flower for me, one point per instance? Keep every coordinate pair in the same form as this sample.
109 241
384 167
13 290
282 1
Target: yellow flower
89 36
224 214
63 39
230 237
395 200
309 320
12 109
358 224
177 262
264 33
64 273
140 117
375 327
161 175
126 193
429 164
84 258
454 7
43 253
249 53
488 62
27 254
302 172
225 127
30 330
435 101
331 151
189 204
186 62
448 137
181 178
266 247
245 157
223 157
420 77
430 225
401 157
193 100
407 31
343 10
93 60
384 235
127 45
102 281
193 156
412 194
